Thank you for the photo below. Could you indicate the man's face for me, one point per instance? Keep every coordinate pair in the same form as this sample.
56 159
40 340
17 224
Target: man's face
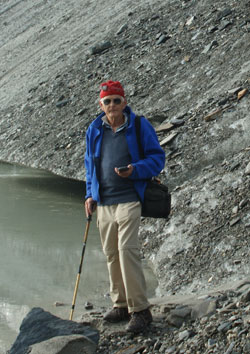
113 106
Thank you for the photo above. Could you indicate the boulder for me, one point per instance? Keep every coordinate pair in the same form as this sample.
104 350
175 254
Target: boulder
40 326
65 345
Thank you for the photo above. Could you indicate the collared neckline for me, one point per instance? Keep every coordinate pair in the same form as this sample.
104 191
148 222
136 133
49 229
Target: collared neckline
121 127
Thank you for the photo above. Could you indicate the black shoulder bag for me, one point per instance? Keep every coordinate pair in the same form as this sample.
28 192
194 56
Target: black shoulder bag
157 199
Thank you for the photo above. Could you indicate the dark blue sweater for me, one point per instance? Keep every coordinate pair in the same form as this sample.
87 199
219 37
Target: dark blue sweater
114 153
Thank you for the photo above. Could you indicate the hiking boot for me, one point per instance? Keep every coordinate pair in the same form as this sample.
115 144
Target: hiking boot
140 321
117 314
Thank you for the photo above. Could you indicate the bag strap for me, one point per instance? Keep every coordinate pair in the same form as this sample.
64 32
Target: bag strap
140 148
138 135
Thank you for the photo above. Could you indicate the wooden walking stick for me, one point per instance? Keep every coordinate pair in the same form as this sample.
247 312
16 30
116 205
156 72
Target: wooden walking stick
80 266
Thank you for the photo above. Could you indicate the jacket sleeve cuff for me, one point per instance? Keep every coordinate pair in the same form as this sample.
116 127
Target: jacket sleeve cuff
134 174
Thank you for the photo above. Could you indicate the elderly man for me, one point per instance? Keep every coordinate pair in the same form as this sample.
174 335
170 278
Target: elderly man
116 179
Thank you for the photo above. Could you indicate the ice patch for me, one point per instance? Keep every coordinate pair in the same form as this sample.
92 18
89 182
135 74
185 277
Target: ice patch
13 315
221 247
148 228
241 124
215 130
205 196
176 237
232 181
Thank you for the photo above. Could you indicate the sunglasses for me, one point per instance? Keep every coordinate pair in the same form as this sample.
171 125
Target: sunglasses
107 101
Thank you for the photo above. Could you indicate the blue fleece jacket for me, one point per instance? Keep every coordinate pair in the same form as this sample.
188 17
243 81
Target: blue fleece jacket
143 169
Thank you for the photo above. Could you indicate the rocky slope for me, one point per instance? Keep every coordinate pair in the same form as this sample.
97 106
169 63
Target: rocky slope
217 322
185 66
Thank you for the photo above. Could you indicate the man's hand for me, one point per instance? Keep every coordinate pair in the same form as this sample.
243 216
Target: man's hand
90 206
125 174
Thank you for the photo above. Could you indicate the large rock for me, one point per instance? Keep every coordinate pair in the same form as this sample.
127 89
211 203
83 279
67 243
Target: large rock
65 345
40 326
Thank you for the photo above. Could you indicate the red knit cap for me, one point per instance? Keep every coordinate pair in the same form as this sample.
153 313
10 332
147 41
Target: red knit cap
111 88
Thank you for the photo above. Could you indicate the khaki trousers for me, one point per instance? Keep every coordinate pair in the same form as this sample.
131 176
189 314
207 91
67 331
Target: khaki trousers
119 225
